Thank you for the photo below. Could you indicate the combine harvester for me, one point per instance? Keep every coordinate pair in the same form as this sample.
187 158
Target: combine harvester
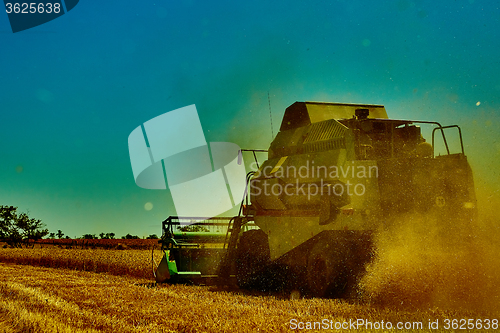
335 174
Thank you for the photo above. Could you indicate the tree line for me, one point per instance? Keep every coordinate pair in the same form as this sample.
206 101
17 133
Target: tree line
18 228
111 235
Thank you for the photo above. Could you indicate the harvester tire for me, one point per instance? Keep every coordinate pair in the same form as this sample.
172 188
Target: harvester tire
252 256
326 270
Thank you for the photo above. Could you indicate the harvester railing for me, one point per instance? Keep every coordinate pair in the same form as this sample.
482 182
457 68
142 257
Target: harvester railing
438 128
215 228
442 128
179 222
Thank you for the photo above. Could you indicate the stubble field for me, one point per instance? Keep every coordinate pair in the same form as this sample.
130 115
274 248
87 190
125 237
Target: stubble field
93 290
38 299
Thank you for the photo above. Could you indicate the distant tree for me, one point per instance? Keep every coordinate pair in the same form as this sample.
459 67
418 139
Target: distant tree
89 236
67 237
52 235
17 228
108 235
60 234
153 236
129 236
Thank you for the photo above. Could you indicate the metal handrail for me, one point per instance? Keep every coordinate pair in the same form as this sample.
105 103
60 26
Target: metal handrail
240 156
442 128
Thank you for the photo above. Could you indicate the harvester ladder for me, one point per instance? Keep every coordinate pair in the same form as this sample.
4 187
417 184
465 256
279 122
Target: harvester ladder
235 224
233 231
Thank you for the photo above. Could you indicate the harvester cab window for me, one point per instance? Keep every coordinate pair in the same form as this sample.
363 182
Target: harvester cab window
375 139
372 139
406 140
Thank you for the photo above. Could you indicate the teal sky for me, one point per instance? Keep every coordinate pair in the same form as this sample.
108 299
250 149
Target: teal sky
73 89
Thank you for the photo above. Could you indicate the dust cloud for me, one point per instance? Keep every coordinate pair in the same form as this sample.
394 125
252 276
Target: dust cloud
420 264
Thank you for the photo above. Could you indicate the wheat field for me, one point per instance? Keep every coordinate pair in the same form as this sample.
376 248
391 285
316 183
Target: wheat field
135 263
39 299
96 290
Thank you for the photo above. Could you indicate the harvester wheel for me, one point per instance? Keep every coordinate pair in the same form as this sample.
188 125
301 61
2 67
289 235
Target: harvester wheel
325 270
252 256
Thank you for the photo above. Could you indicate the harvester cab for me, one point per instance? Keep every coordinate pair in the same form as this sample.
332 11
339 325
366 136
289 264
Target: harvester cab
335 174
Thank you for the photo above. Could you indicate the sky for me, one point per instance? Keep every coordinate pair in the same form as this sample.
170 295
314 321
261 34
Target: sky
73 89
